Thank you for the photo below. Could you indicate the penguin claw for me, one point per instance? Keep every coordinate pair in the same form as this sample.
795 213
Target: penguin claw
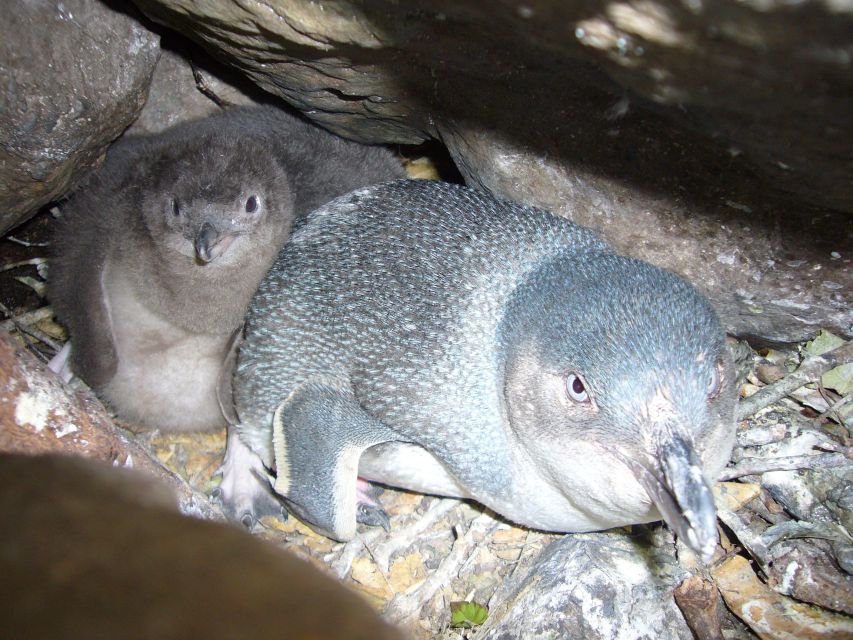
249 509
373 516
248 521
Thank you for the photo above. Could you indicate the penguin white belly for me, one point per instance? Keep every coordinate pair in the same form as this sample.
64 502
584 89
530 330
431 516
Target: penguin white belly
166 377
604 496
409 466
607 496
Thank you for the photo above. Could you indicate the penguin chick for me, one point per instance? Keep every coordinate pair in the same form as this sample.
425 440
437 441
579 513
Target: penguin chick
430 337
159 254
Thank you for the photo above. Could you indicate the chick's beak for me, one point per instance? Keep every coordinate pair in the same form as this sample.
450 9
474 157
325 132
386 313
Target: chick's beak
677 486
210 243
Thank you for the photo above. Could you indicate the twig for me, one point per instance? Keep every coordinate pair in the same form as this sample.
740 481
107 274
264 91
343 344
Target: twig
382 572
801 529
811 369
399 539
750 540
26 243
405 537
754 466
41 336
835 408
341 567
27 332
26 319
32 262
404 606
756 436
204 88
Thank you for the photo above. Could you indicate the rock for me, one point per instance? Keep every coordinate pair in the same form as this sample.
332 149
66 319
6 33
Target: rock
734 495
74 75
175 97
40 415
95 552
770 615
764 261
698 600
722 64
658 151
807 574
601 585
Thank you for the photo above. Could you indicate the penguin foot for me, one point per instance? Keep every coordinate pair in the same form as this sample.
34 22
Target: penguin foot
369 510
245 491
373 517
248 508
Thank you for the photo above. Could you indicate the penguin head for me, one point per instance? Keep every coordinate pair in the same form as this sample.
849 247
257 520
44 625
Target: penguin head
619 381
210 205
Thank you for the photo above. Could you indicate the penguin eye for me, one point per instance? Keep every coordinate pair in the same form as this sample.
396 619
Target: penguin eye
252 204
715 382
576 389
176 207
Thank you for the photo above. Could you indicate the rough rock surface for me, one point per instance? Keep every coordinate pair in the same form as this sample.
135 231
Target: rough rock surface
771 616
74 75
174 96
39 415
88 551
579 583
774 268
646 120
773 76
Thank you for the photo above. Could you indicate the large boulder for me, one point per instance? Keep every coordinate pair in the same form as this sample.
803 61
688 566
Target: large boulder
74 74
188 85
88 551
770 76
594 586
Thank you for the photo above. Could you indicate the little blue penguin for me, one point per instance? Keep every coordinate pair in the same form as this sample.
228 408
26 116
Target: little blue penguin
431 337
159 253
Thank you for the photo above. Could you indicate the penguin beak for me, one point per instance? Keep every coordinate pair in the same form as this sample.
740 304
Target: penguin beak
210 243
677 486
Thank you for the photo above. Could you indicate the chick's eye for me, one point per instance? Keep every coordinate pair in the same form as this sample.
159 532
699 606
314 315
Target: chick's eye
176 207
576 389
715 382
252 204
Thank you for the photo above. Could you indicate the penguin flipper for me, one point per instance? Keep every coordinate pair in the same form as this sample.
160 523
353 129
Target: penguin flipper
93 354
319 434
224 386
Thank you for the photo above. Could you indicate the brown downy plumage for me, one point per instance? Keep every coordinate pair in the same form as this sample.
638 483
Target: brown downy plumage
160 252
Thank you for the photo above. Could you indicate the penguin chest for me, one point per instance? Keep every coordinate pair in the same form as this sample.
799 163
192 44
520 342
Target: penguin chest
166 376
